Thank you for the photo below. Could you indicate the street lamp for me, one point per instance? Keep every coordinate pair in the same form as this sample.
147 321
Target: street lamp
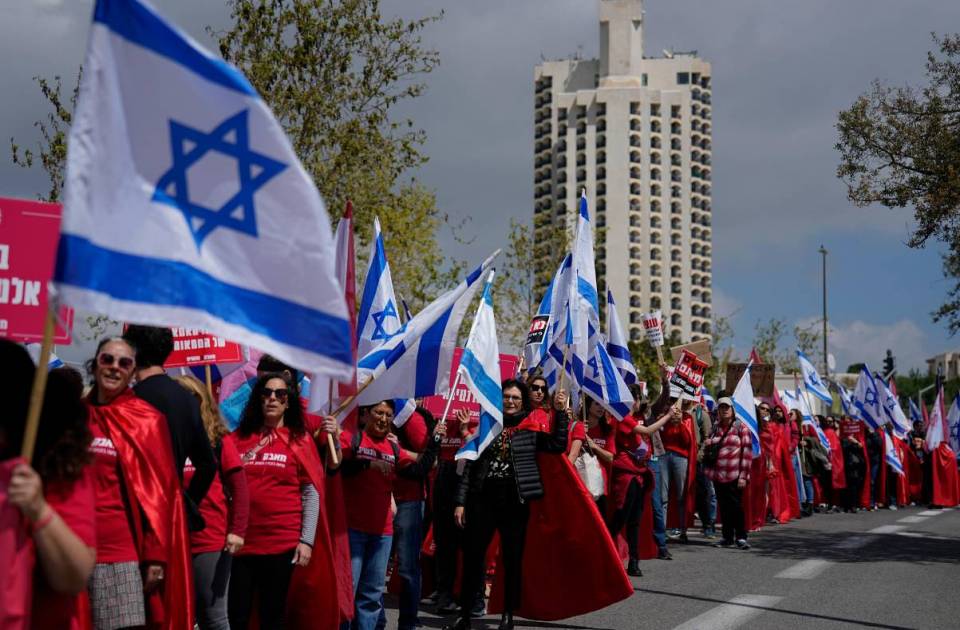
826 366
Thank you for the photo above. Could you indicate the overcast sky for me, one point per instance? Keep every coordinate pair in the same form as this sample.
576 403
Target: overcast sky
781 72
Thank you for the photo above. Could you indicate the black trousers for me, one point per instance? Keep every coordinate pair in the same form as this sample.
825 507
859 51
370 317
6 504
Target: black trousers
496 508
447 537
629 515
730 506
266 577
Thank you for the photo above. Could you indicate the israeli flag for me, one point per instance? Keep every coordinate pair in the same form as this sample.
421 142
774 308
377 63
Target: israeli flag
846 401
379 318
603 382
745 408
890 455
791 399
866 400
553 306
617 343
186 205
915 413
707 398
585 304
480 370
405 408
891 409
807 418
953 424
33 349
417 362
812 380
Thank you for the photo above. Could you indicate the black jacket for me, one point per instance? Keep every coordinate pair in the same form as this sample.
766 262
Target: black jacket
523 448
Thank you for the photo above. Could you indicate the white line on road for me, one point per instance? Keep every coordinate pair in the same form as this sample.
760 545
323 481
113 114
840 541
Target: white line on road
931 513
924 536
731 615
912 519
804 570
886 529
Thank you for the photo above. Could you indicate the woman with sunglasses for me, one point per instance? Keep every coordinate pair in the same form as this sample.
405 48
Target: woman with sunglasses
284 502
540 399
142 544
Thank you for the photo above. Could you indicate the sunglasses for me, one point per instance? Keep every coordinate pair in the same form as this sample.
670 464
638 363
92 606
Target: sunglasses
538 388
280 393
108 360
520 398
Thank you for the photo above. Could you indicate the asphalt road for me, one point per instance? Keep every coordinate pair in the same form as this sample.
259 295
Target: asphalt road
886 569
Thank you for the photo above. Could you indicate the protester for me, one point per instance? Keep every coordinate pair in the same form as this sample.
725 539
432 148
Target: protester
680 446
140 518
495 492
854 462
372 462
284 502
600 441
706 497
838 479
225 511
874 445
180 409
814 461
728 454
769 455
53 493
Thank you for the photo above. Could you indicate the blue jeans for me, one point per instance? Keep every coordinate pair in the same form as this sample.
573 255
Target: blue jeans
676 469
801 493
659 522
706 501
874 488
369 554
808 488
407 538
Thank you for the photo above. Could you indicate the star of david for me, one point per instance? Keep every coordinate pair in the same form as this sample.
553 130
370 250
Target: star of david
230 138
815 380
379 332
956 433
870 397
596 369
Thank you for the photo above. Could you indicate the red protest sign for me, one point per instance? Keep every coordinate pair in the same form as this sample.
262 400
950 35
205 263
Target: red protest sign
29 233
462 398
195 347
688 373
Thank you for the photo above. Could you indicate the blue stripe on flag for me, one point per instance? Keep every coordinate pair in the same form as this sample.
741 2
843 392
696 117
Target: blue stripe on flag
754 431
370 284
487 386
287 322
138 24
428 354
589 293
619 352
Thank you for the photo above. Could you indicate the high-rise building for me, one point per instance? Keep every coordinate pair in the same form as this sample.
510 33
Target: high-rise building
635 133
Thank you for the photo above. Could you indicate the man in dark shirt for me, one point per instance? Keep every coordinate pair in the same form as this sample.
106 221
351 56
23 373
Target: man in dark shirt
153 346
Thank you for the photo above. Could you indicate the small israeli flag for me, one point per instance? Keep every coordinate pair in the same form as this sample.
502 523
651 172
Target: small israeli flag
745 409
807 418
866 400
812 380
890 455
379 318
604 383
617 343
891 409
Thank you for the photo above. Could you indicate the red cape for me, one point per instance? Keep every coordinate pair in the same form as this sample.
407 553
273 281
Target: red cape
142 438
570 565
791 509
914 468
944 470
17 557
313 600
755 496
902 481
672 515
837 472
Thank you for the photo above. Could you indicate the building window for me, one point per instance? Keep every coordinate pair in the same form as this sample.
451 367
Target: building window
643 79
675 111
654 109
683 78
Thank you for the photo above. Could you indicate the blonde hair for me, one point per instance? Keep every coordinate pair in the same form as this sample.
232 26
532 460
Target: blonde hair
209 413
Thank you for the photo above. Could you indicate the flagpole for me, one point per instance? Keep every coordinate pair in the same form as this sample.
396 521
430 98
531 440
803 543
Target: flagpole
39 386
331 445
563 368
446 409
208 376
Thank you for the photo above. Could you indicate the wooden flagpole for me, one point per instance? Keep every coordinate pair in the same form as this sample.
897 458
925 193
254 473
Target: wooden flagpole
331 445
208 374
39 386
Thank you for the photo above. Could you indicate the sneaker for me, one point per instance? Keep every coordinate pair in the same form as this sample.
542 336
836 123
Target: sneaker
664 554
446 604
723 543
673 533
682 538
431 599
743 544
479 609
893 507
710 532
633 569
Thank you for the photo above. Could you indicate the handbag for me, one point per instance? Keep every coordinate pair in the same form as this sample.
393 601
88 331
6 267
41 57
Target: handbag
711 452
590 473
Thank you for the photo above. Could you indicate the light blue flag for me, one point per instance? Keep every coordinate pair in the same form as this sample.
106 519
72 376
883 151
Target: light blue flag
745 408
866 400
812 380
915 414
480 370
890 455
617 343
603 382
417 362
708 398
807 418
891 409
185 204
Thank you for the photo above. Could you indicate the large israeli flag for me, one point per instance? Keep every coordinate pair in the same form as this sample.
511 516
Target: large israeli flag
379 318
807 418
584 301
812 380
846 401
417 362
953 424
891 409
553 307
603 382
480 370
745 409
866 400
915 414
186 205
890 455
617 343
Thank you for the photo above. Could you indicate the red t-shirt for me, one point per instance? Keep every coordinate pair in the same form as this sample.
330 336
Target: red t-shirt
76 505
367 493
274 477
676 438
628 442
214 508
115 541
576 432
604 437
414 437
452 441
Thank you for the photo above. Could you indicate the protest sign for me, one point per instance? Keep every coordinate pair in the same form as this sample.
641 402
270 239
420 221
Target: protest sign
688 374
538 329
194 347
29 233
700 348
462 398
653 325
761 377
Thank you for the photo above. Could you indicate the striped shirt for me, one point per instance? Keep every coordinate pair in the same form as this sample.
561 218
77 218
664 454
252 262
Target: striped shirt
736 454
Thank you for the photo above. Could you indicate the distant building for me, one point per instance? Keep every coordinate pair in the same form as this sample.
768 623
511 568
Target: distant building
949 362
635 132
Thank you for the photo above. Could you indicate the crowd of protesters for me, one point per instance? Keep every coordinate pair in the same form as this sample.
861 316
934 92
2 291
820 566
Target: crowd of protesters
140 508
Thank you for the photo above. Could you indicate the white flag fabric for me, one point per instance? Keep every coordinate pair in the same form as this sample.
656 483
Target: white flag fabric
811 379
417 362
890 455
846 401
584 301
892 410
936 430
617 346
480 370
554 307
866 400
378 320
953 424
185 204
807 418
745 409
604 383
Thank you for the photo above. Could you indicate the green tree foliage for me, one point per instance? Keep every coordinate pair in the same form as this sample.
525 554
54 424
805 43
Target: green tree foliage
900 147
769 341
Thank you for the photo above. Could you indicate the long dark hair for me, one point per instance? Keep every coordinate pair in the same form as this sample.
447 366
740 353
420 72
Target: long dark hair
588 405
252 420
511 383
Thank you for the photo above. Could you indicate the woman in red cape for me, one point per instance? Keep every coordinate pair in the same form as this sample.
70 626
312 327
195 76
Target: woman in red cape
944 471
838 476
790 509
140 435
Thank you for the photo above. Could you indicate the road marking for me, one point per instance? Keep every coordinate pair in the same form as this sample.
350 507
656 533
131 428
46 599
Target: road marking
924 536
931 513
912 519
805 570
886 529
854 542
731 615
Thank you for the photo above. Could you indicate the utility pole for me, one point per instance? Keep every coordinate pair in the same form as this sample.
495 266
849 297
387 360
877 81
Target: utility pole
826 366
